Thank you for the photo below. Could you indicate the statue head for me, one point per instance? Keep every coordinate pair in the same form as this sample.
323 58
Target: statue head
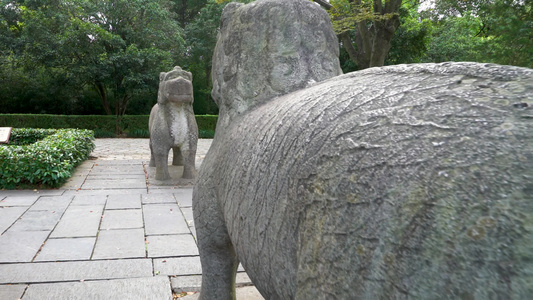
175 87
266 49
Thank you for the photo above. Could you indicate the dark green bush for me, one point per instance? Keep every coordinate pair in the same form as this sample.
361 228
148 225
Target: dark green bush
103 126
48 159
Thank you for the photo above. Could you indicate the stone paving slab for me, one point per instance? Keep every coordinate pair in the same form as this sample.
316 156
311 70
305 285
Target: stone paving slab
89 200
24 193
193 283
12 292
184 197
8 215
74 183
106 192
241 293
56 203
114 184
105 171
119 177
123 201
157 287
126 243
158 198
178 266
122 219
171 245
79 221
67 249
161 219
74 271
18 201
36 221
116 230
20 246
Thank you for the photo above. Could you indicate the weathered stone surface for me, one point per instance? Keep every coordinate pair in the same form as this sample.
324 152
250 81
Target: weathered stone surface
56 203
163 219
75 270
193 283
172 125
79 221
122 219
184 197
90 200
12 292
293 47
177 266
158 198
36 221
18 201
124 243
66 249
21 246
157 287
171 245
410 181
123 202
241 293
8 216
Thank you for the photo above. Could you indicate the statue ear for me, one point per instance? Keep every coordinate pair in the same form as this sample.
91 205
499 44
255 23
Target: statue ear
162 76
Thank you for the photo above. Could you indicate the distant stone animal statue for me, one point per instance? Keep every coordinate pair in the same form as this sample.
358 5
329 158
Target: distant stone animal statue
400 182
172 125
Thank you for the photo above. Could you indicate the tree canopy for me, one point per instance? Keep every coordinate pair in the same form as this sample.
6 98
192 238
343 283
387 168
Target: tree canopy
104 57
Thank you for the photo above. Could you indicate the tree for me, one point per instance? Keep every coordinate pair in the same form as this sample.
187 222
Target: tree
411 39
201 37
118 47
374 23
187 10
498 31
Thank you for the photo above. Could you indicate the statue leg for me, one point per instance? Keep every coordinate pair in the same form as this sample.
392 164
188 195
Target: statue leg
161 164
152 159
177 158
217 255
188 164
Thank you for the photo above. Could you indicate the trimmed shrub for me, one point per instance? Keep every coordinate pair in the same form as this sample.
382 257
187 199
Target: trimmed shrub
43 157
103 126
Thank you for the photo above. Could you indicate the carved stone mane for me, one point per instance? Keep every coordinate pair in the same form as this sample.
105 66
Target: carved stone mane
296 48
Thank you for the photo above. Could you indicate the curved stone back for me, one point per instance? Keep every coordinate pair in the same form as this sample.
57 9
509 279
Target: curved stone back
401 182
293 46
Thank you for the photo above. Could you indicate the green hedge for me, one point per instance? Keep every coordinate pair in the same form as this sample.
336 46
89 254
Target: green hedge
103 126
42 157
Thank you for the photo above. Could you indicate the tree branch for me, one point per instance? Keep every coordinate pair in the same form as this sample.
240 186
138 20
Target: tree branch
378 6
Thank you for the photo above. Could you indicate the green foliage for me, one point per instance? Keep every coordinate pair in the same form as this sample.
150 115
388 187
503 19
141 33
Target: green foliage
103 126
201 38
47 159
497 31
410 42
116 47
346 14
455 40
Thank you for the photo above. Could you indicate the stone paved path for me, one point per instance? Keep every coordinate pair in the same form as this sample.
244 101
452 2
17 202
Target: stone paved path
111 232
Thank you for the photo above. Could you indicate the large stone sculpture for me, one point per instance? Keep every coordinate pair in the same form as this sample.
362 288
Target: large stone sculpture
402 182
172 125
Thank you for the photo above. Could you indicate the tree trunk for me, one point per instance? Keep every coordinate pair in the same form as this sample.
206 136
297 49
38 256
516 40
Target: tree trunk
373 41
183 13
103 97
